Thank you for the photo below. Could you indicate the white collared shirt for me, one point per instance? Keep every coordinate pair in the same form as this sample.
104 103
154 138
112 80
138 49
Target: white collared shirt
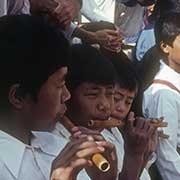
115 138
17 160
160 100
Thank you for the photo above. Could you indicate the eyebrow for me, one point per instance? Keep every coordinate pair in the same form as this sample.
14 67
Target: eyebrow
129 97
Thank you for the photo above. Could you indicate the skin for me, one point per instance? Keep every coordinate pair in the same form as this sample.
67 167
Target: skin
123 99
109 39
173 53
75 156
139 135
58 12
50 104
27 114
62 12
92 101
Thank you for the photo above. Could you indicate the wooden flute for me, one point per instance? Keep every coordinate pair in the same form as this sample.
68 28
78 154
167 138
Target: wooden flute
98 159
111 122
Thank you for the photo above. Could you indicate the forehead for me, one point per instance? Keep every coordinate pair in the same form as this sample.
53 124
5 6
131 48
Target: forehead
59 75
91 86
124 91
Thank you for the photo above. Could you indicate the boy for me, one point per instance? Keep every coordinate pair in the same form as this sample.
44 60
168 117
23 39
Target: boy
162 98
91 83
33 67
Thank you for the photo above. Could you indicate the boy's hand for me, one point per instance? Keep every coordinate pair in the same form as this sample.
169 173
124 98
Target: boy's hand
137 134
75 156
109 154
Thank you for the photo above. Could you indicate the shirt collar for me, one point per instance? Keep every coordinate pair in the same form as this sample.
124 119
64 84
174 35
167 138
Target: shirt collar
48 142
11 152
168 74
60 130
107 135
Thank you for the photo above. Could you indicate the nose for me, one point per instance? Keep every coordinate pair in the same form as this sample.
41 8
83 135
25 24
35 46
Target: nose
120 107
104 105
66 94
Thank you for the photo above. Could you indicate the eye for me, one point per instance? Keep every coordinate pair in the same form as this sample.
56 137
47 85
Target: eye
110 93
129 102
118 97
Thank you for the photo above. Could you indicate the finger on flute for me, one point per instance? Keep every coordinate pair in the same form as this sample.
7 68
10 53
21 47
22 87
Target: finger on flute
160 124
162 135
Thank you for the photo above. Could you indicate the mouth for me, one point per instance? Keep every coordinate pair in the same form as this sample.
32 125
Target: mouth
101 118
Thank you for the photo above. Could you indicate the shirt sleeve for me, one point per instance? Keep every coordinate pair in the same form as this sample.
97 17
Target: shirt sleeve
164 103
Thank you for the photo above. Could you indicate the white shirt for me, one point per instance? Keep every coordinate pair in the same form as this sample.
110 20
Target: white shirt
3 7
17 160
115 138
99 10
161 100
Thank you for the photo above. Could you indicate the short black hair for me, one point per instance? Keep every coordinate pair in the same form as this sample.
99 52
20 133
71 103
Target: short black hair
89 65
127 76
31 51
167 28
162 7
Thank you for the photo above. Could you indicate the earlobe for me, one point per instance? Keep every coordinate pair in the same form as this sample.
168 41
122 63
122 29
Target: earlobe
15 100
165 47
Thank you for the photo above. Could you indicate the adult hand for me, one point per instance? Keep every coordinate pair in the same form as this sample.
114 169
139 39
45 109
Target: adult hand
65 12
109 39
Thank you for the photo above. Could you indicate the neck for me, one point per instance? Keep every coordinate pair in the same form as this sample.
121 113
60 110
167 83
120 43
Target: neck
14 127
175 66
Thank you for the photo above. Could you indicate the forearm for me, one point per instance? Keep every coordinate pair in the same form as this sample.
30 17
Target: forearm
131 167
86 36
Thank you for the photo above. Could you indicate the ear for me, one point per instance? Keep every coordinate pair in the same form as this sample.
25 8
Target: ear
14 98
165 48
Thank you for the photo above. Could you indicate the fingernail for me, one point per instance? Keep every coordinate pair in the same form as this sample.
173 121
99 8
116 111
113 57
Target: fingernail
101 148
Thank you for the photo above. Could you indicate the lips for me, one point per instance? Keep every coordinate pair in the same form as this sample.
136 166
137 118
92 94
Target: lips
101 117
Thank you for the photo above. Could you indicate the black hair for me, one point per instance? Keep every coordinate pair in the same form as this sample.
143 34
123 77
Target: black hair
31 51
162 7
167 28
89 65
127 77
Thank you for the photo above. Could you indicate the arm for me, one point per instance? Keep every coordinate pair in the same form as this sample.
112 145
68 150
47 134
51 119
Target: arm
107 38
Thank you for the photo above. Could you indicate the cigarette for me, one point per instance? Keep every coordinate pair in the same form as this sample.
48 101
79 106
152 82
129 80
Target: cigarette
95 124
98 159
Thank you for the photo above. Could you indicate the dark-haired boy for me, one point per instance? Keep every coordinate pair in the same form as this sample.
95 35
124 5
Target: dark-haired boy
33 66
126 89
162 98
91 83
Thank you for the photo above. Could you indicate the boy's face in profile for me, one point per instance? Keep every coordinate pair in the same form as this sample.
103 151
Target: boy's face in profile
50 101
173 53
123 99
92 101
